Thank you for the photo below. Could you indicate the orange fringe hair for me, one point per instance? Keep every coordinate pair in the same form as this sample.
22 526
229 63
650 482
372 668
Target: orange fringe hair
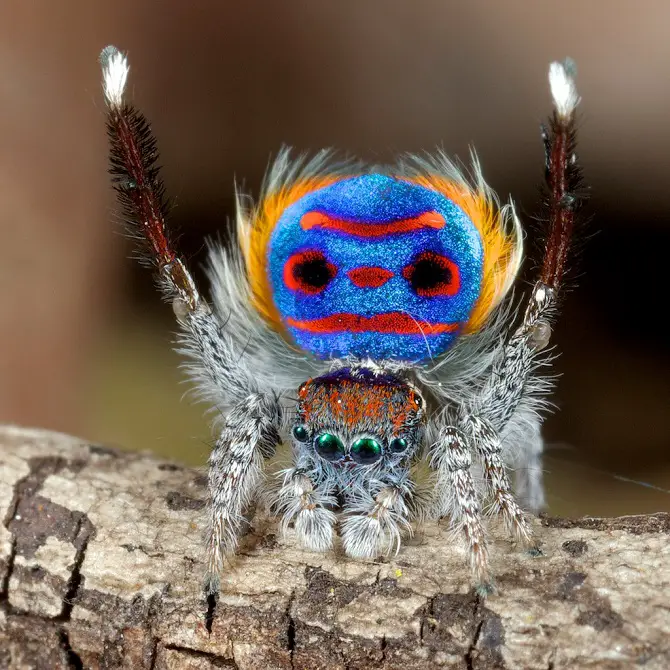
502 249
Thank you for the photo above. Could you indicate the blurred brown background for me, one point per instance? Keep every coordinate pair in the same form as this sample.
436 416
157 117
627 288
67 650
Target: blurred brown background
84 341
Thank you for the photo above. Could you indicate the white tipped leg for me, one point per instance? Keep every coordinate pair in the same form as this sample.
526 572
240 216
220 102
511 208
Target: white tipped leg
115 70
376 525
563 88
300 501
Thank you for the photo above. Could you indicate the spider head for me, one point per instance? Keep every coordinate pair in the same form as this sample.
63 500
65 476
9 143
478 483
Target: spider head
357 417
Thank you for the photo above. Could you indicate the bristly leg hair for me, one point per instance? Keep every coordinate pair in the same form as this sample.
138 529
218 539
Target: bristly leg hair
136 179
563 193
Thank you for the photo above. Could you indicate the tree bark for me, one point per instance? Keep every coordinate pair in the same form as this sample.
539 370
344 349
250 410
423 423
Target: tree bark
101 566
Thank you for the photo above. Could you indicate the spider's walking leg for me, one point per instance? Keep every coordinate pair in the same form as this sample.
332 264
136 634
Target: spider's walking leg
452 459
505 388
235 470
375 523
250 431
489 448
302 500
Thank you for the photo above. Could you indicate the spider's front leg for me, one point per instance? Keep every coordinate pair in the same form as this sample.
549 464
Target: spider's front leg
458 497
476 429
484 420
487 445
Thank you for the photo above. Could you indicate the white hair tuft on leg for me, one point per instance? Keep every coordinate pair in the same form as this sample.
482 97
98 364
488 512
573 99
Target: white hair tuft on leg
563 89
114 75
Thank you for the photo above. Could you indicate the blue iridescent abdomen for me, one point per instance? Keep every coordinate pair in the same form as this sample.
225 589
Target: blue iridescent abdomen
375 266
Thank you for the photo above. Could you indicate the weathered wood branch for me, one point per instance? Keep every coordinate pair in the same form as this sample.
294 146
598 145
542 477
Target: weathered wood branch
101 565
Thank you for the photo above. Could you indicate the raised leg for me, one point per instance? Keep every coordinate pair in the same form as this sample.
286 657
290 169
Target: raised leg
220 371
217 366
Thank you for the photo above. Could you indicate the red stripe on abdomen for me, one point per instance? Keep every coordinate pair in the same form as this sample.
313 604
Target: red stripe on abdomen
311 220
397 323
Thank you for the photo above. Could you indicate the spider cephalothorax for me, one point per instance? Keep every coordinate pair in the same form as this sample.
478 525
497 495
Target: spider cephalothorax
364 318
338 416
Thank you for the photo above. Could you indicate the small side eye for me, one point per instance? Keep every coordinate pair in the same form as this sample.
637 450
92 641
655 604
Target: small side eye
416 399
300 433
431 275
398 445
329 447
309 272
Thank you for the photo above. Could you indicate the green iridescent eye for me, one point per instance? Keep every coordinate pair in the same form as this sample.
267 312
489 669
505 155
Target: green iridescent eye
329 446
300 433
398 445
366 450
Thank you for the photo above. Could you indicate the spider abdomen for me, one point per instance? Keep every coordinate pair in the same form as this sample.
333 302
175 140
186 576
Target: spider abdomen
374 265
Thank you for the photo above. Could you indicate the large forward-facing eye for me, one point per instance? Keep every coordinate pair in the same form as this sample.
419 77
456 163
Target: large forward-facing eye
329 447
366 450
432 274
308 271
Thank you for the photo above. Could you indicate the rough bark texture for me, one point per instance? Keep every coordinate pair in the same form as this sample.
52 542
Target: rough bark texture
101 564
